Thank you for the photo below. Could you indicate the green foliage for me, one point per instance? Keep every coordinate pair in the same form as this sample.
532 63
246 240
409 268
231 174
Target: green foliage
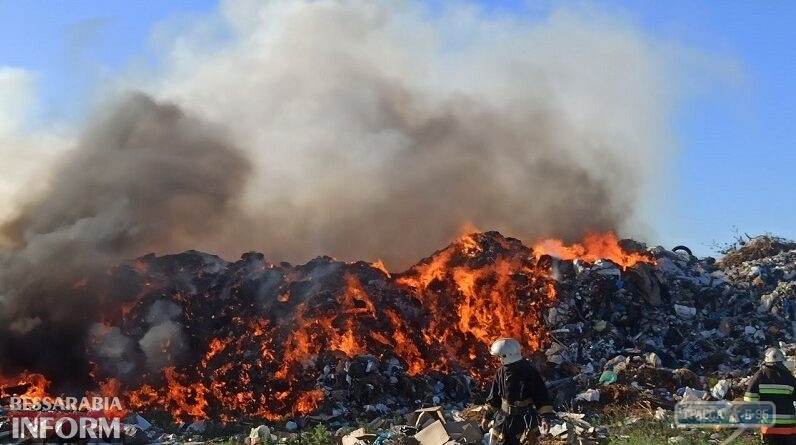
318 435
651 432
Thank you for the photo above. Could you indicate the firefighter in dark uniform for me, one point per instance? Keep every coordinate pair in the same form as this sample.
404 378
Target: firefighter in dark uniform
775 383
517 398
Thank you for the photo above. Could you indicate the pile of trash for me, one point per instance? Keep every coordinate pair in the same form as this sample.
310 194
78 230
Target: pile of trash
702 316
337 343
199 337
642 337
685 328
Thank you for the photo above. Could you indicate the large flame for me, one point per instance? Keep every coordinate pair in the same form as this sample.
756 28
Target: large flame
476 301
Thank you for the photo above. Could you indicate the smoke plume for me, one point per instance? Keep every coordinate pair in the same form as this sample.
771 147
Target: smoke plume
377 129
145 176
358 129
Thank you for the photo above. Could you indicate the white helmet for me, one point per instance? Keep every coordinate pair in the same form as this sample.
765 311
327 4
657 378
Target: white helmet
508 349
773 355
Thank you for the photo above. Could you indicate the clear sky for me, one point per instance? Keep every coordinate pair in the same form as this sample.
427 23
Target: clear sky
735 166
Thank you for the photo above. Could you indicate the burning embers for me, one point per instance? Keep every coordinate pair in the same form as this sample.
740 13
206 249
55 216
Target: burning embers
200 337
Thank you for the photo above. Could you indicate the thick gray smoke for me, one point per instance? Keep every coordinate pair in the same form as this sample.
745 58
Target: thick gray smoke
378 129
144 176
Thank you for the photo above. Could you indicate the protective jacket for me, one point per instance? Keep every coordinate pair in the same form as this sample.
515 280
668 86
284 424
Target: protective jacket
774 383
517 395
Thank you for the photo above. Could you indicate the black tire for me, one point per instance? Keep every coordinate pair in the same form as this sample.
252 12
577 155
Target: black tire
684 249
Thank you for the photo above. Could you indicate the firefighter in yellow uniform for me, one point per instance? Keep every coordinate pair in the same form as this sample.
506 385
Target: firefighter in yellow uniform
774 383
517 398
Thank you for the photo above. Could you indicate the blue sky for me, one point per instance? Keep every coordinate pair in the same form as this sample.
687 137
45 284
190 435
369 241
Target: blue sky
735 166
70 44
736 163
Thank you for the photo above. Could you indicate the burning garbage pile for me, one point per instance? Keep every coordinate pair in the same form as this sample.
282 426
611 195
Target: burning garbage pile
611 322
200 337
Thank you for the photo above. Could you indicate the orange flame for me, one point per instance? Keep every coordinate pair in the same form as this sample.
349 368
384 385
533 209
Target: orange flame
487 300
180 399
307 402
379 264
595 246
34 385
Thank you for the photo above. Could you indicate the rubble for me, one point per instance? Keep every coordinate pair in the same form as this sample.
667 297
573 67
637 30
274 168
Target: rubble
669 328
758 248
709 303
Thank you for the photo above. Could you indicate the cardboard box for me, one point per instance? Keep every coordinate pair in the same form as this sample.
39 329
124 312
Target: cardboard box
355 436
423 417
439 433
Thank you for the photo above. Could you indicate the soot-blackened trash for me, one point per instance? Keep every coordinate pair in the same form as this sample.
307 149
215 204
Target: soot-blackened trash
341 343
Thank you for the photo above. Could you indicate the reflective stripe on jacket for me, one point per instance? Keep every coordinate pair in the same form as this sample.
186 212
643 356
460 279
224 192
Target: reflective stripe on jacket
774 383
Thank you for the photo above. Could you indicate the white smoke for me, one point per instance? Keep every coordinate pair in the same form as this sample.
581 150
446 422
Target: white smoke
165 340
378 128
112 349
26 154
162 344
